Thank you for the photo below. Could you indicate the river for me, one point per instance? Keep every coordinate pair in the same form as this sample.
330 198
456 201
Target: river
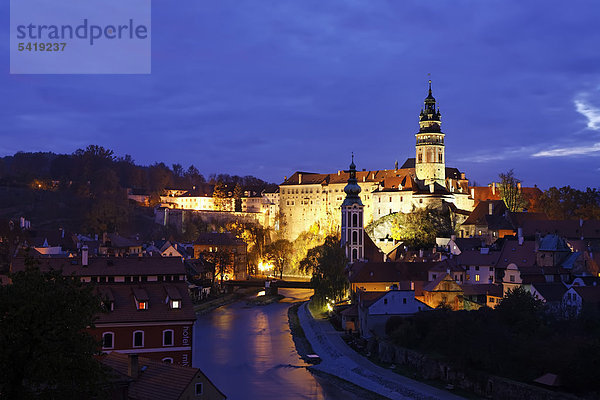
249 354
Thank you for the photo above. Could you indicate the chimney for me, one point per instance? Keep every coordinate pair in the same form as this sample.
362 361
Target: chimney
473 192
493 189
285 178
490 208
463 176
396 165
339 172
299 179
453 237
84 255
133 366
431 187
520 236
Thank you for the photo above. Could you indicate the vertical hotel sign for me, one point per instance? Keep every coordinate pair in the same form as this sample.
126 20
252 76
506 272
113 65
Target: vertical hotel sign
80 37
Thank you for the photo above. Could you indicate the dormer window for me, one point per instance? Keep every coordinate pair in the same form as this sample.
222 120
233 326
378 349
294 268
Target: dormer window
175 304
142 305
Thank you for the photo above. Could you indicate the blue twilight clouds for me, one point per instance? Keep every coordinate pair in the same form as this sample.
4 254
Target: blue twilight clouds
272 86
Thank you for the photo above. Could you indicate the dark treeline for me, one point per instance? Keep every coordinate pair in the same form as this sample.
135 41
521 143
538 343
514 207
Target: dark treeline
96 164
86 190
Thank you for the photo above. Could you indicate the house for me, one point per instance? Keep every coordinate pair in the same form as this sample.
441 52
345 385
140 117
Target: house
139 378
568 229
226 242
578 298
551 294
444 290
166 249
376 308
148 308
446 267
552 251
479 295
116 245
492 192
487 222
381 276
458 245
479 265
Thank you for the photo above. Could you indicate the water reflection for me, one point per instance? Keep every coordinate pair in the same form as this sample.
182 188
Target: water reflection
248 353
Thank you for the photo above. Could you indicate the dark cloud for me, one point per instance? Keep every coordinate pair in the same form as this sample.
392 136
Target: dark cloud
271 87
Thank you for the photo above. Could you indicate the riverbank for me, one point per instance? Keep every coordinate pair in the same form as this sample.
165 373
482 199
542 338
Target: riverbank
339 360
304 348
223 300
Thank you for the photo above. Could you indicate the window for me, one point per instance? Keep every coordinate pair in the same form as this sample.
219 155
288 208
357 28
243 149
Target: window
512 278
175 304
433 277
198 389
404 301
138 339
168 337
142 305
476 268
108 340
167 360
476 277
384 301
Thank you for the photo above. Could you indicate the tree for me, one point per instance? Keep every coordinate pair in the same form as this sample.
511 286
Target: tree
510 191
220 196
327 263
570 203
222 262
520 310
279 253
238 193
419 228
46 350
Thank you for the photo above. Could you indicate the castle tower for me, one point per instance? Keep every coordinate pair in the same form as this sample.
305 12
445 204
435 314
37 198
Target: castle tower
430 163
352 239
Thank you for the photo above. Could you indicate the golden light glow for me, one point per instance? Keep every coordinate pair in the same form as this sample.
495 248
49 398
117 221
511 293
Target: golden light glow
264 266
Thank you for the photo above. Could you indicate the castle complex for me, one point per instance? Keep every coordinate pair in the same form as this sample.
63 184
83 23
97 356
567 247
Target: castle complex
312 200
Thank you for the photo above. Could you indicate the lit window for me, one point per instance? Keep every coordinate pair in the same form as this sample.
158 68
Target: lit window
138 339
476 277
168 337
142 305
198 389
108 340
175 303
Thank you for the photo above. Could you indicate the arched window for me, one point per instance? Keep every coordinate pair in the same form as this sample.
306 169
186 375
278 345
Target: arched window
168 337
108 340
354 237
138 339
354 254
354 220
167 360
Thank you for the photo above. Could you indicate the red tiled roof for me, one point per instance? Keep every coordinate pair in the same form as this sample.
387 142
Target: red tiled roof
481 211
389 272
569 229
155 293
474 257
521 255
157 381
113 266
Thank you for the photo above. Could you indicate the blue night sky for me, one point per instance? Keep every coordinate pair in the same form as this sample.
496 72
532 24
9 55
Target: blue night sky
269 87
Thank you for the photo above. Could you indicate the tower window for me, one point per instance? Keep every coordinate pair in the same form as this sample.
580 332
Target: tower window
440 158
354 220
354 237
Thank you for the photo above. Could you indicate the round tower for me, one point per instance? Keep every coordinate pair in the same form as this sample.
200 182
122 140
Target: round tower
430 162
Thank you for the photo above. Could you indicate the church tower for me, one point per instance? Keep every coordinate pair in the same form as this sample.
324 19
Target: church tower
430 163
352 239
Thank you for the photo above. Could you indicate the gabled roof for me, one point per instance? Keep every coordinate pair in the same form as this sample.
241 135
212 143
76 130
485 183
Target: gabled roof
589 294
481 214
156 380
108 266
551 291
553 243
155 294
118 241
474 257
434 285
467 243
521 255
389 272
218 239
490 289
